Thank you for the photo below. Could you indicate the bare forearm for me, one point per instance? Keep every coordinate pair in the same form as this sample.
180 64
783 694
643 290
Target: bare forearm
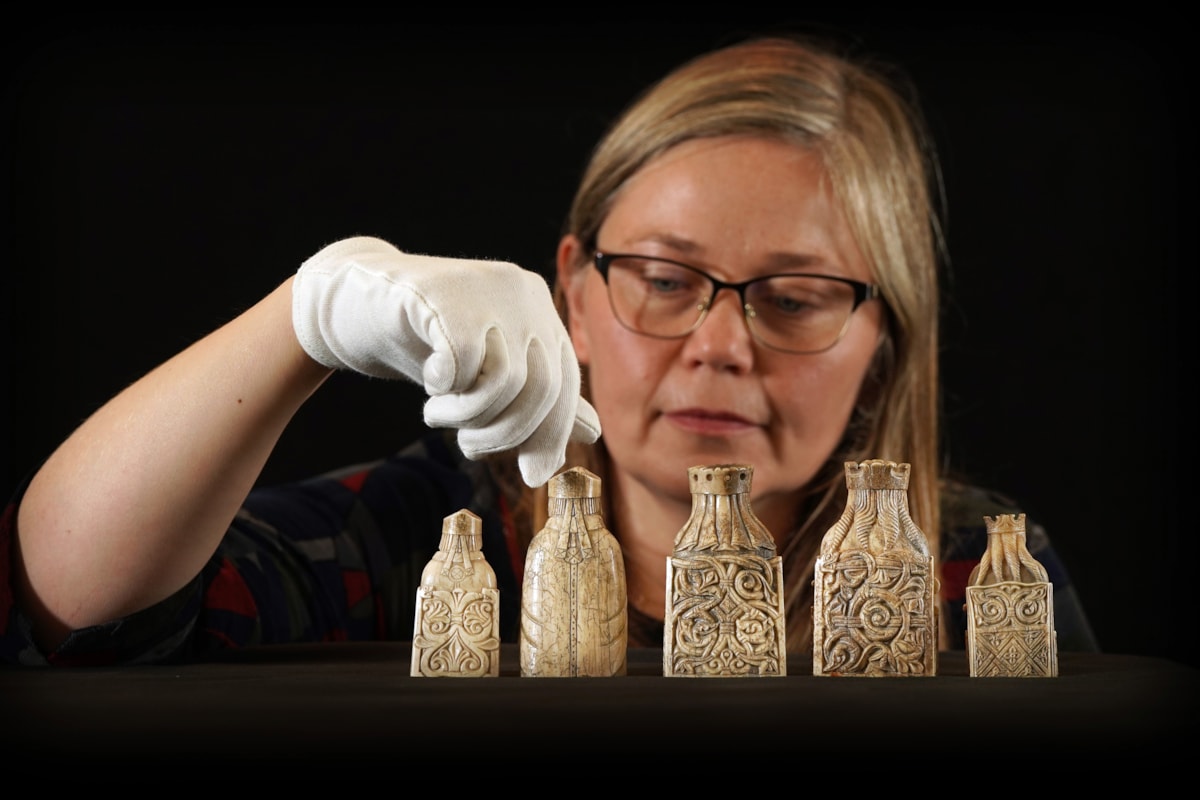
134 502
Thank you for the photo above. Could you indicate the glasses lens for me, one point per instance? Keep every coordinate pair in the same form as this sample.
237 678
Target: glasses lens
656 298
798 313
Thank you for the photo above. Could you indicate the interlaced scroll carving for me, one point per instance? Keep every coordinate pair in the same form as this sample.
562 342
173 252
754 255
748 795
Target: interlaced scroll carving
1010 607
456 632
874 607
573 600
725 600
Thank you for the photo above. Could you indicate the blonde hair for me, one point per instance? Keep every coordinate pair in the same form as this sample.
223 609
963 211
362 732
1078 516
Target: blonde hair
870 136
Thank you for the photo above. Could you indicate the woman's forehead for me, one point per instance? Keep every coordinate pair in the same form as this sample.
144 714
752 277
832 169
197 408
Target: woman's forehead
753 200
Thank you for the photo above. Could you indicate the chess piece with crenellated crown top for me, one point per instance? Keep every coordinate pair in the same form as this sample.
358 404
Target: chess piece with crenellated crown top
725 600
875 589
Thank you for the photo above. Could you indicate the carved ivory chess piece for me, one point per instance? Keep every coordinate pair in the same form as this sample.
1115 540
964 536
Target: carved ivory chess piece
1010 607
456 632
573 599
874 597
725 613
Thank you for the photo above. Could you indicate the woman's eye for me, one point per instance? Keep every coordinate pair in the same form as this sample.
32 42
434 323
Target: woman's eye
664 284
792 305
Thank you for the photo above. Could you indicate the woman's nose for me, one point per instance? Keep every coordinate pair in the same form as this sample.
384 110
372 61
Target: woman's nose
723 339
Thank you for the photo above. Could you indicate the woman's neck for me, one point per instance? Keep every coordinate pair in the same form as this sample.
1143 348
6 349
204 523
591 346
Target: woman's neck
646 524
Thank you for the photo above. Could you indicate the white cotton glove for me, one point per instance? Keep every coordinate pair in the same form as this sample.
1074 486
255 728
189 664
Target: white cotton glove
482 337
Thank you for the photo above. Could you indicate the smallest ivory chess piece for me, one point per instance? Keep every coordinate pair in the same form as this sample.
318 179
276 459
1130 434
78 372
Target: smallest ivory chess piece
456 630
1010 608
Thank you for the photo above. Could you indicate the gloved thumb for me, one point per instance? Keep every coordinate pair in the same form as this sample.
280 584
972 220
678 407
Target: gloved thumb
587 423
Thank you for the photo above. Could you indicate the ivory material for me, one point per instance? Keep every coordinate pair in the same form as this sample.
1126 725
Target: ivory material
1010 608
574 613
725 601
875 589
456 631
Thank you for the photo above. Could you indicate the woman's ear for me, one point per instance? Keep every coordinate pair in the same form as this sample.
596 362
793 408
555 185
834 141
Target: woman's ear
572 277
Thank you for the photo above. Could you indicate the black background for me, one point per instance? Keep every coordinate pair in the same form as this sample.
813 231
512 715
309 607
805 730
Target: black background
157 179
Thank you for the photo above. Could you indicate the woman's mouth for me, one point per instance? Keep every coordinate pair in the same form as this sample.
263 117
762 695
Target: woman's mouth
709 423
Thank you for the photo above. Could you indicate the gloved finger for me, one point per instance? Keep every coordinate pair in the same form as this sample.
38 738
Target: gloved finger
539 465
450 367
497 383
524 414
544 452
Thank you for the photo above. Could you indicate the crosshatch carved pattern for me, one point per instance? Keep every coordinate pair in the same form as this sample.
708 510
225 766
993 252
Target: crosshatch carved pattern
457 633
574 619
727 617
875 611
1011 631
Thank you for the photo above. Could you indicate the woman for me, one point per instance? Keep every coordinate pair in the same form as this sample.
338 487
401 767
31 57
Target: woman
744 177
806 159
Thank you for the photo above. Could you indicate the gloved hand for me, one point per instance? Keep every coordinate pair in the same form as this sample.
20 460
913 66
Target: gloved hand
482 337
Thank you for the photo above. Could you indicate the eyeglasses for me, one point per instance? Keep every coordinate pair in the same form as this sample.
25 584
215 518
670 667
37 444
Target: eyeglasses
666 299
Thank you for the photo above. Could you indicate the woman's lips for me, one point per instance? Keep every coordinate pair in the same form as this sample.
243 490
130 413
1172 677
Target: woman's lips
709 423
